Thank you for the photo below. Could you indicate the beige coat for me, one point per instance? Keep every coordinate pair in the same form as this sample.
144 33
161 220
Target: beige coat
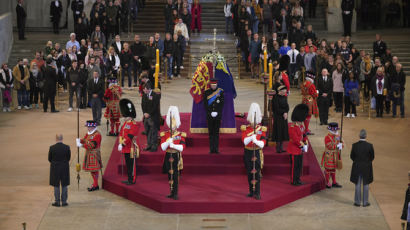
17 78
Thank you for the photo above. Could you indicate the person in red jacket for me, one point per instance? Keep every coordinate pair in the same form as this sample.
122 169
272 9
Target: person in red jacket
173 143
309 97
92 159
128 142
112 97
333 147
297 142
254 139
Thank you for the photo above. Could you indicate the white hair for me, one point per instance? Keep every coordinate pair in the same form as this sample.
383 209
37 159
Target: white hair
254 110
173 111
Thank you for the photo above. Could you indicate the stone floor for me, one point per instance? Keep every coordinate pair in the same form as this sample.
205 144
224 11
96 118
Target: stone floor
26 197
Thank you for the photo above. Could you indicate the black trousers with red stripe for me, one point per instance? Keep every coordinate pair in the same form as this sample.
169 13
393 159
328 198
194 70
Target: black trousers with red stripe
296 167
130 166
247 158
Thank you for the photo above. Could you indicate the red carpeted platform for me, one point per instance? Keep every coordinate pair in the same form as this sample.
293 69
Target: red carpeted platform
212 183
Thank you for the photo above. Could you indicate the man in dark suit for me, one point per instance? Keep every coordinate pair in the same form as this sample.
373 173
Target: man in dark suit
244 45
117 44
150 108
347 15
77 6
325 87
214 103
55 14
96 92
362 155
59 157
21 19
50 82
379 47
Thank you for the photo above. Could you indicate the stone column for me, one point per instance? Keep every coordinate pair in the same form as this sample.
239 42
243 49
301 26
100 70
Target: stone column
334 17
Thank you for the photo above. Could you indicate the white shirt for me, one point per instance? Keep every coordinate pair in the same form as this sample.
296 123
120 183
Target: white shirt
227 10
95 81
293 53
325 78
118 44
56 3
379 91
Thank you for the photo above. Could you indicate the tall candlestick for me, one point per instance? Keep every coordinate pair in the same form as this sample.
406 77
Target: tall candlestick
156 75
270 75
265 61
157 53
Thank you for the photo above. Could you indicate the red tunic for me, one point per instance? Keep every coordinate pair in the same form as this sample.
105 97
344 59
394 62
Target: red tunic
112 97
285 79
92 158
178 138
196 11
296 138
129 131
310 96
260 132
331 153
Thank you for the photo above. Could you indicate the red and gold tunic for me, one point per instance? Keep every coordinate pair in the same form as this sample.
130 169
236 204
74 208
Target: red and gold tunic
331 153
92 158
309 97
296 138
260 131
128 137
285 79
178 138
112 97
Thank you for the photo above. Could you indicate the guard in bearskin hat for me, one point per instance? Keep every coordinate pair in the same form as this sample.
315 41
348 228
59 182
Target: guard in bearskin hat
254 139
331 155
297 142
173 143
309 97
283 68
112 97
92 159
128 139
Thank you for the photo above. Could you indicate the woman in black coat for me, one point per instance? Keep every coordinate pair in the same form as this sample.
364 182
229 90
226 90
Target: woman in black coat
280 118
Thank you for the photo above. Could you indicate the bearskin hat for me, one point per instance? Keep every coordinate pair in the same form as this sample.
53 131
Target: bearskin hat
127 108
284 63
300 112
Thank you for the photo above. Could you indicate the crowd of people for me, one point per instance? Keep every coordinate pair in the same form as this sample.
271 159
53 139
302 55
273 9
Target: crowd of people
339 69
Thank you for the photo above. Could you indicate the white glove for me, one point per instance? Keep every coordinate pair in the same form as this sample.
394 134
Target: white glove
247 140
305 148
260 144
119 147
340 146
214 114
177 147
165 145
170 140
78 141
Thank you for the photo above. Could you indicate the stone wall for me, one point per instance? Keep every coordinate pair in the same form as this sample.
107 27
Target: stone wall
6 37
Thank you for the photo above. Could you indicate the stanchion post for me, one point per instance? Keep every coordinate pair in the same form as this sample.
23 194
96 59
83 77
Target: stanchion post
239 66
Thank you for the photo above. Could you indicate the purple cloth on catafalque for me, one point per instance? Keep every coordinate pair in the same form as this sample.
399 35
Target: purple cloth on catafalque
225 82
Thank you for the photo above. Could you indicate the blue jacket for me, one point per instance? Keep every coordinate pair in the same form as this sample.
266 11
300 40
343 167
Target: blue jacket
349 85
254 48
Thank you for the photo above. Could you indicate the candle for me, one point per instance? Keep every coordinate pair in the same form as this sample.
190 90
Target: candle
156 75
157 56
265 61
270 75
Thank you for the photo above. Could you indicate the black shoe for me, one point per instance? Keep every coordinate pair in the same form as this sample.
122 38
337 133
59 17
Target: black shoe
56 204
357 205
93 188
64 204
147 148
124 181
257 196
402 116
250 195
55 111
336 185
366 205
321 123
295 184
111 134
129 183
144 133
300 182
175 197
153 150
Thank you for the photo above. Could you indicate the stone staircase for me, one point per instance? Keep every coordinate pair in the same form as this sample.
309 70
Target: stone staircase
318 23
151 19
